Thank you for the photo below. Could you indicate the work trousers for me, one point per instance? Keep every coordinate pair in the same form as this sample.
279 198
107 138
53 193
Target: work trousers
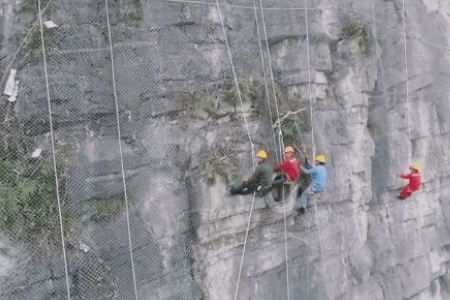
407 192
243 189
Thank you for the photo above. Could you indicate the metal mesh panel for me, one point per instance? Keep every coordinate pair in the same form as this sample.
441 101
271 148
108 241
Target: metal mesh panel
148 116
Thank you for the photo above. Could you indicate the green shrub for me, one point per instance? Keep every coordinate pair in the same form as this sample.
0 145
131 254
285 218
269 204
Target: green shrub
360 33
32 5
28 200
107 209
248 93
138 14
200 101
34 43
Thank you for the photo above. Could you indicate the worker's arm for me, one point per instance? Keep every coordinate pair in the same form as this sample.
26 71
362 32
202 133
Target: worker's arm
281 166
405 175
309 171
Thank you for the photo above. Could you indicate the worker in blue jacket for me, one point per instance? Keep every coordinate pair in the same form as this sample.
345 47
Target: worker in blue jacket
319 173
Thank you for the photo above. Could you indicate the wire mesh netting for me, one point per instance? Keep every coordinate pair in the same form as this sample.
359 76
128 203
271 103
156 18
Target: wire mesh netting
127 119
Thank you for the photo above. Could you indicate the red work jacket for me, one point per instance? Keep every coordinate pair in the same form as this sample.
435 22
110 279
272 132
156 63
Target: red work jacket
415 180
290 168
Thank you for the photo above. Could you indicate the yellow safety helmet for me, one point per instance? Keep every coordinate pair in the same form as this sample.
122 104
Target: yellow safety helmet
321 158
289 149
261 154
417 166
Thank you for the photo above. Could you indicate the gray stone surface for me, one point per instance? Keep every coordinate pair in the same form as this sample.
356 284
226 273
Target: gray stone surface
186 237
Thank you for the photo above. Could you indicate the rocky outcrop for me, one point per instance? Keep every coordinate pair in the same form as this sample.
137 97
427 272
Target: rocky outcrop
184 135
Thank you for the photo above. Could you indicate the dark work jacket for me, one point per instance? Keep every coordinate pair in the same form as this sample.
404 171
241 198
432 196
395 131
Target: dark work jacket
262 175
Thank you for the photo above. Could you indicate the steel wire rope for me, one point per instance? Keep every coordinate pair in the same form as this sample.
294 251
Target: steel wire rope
52 137
312 120
250 140
272 129
265 80
271 71
407 108
120 149
280 133
407 82
311 111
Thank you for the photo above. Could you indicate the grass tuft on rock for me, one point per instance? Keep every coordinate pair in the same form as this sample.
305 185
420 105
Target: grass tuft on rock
359 32
247 91
107 209
32 5
28 200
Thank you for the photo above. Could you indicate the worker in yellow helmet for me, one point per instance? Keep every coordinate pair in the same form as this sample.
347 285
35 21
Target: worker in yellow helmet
260 181
319 173
415 181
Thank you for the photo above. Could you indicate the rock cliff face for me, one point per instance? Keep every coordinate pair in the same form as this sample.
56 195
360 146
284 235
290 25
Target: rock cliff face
184 135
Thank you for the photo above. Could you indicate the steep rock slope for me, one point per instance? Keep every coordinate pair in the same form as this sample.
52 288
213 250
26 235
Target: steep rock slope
183 136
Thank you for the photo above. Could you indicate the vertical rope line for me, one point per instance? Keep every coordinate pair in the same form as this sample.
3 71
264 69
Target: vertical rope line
312 120
245 246
236 81
275 144
265 79
251 145
308 251
407 82
309 82
407 108
120 149
280 137
53 149
286 254
311 107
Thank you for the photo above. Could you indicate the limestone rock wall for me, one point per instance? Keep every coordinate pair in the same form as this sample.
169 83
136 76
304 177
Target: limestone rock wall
182 139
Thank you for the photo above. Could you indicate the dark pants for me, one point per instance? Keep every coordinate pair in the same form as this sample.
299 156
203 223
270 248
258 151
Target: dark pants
277 184
279 180
243 189
246 188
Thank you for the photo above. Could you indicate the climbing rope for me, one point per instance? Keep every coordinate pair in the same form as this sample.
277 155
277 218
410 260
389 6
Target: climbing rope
288 204
265 81
407 111
120 149
311 112
312 123
52 137
407 82
250 140
280 136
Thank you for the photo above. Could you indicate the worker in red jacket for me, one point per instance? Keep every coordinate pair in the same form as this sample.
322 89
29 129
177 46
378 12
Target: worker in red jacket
289 167
415 181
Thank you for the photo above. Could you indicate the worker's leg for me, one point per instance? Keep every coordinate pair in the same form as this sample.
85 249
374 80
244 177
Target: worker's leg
306 195
242 189
406 192
279 180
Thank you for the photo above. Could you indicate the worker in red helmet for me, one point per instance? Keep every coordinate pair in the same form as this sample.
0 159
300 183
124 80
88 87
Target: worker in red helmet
289 168
415 181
